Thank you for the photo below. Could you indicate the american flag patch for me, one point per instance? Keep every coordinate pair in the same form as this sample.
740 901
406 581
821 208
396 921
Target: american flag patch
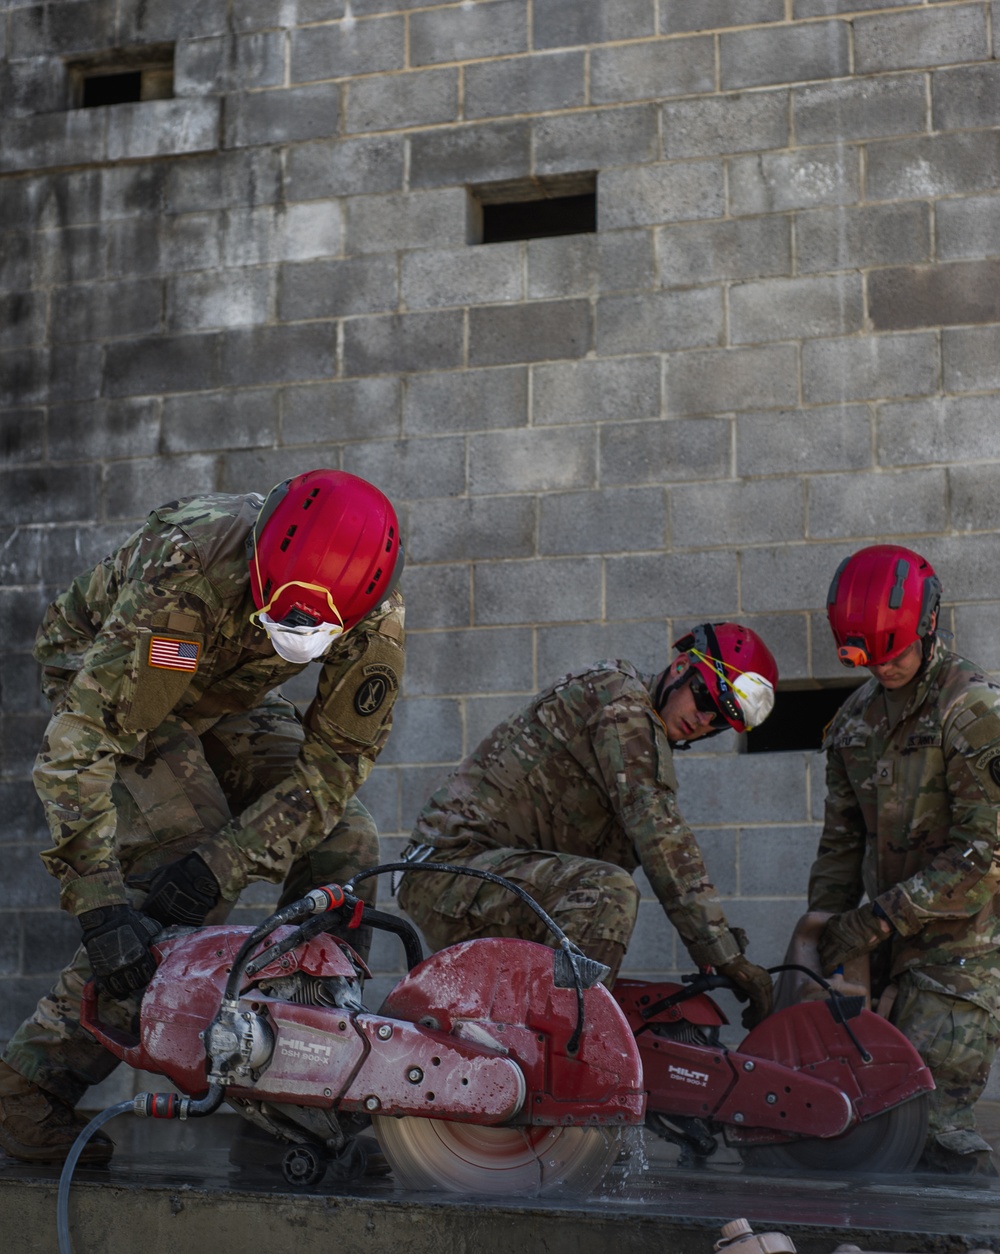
174 655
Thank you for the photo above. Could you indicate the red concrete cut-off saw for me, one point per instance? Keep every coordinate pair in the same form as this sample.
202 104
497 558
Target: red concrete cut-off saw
498 1066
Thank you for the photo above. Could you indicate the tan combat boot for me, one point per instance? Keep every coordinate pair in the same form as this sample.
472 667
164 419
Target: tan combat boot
37 1127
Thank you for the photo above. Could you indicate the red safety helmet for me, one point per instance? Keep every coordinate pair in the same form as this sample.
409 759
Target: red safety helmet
736 668
881 600
325 549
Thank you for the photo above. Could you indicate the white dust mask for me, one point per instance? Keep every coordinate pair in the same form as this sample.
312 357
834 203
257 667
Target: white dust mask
300 645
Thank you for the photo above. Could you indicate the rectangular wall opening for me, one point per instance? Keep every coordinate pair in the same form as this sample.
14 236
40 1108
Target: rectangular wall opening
125 77
798 719
535 208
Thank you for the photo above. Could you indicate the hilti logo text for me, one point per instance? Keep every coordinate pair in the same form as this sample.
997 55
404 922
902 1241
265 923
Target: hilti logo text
311 1049
688 1077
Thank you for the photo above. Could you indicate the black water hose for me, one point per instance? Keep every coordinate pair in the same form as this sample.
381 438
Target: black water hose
77 1148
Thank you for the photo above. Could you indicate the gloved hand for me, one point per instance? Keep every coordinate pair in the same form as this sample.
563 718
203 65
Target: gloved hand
117 940
182 892
753 984
851 934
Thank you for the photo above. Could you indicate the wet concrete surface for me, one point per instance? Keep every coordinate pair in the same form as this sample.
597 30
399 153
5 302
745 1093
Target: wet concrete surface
171 1188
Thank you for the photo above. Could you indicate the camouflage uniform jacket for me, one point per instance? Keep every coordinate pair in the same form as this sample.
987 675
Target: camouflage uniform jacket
912 816
162 627
587 769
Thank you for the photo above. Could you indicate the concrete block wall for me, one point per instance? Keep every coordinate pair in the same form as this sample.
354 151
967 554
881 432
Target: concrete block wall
781 343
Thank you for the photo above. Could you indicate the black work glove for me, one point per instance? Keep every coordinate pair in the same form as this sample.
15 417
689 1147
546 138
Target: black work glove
753 984
117 940
851 934
182 892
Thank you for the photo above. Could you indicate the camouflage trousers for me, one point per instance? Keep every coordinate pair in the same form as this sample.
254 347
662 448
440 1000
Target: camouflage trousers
958 1041
595 903
188 785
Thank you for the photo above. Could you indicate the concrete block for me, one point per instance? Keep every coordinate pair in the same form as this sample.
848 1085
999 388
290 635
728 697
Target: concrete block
532 460
790 577
828 8
23 318
393 343
247 418
25 820
787 636
870 235
257 469
201 69
357 409
537 331
68 550
784 309
140 23
802 179
483 714
652 69
693 15
940 165
664 452
333 289
738 248
966 97
359 166
971 359
595 139
227 298
132 488
759 788
268 234
137 246
124 191
163 128
732 379
972 492
76 137
282 115
534 84
692 585
837 437
904 297
433 277
870 366
594 390
775 862
15 261
424 730
484 152
570 646
659 321
549 590
860 109
738 122
578 265
177 363
763 511
75 373
19 685
440 663
480 529
410 470
38 30
380 796
439 596
785 54
466 400
33 86
965 565
265 14
608 521
26 885
976 634
494 28
934 36
103 429
346 50
969 227
250 177
277 354
938 430
22 439
417 786
889 504
563 23
72 255
50 939
436 219
388 102
649 195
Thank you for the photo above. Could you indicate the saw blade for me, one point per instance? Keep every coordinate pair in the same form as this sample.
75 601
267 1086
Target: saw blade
467 1158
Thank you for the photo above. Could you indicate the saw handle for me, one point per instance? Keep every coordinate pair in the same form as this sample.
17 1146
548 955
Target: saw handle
121 1044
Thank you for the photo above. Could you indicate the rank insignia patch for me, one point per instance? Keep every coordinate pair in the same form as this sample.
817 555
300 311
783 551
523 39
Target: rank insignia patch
173 655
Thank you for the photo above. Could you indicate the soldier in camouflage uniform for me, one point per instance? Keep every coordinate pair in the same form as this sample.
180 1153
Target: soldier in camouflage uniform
568 797
912 819
173 772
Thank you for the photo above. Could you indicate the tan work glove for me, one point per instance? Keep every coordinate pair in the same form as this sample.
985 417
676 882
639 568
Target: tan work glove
753 984
851 934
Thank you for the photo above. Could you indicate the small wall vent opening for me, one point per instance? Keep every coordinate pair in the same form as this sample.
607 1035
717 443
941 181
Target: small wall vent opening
535 208
122 77
797 720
